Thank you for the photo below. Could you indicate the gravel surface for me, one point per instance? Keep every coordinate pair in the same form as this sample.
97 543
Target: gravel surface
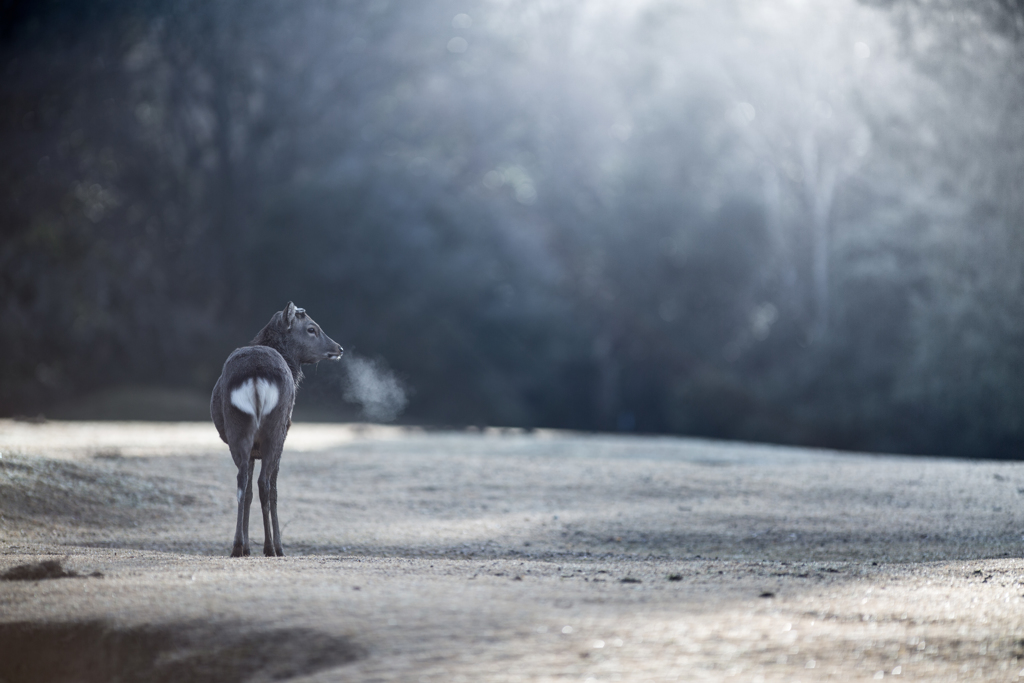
503 556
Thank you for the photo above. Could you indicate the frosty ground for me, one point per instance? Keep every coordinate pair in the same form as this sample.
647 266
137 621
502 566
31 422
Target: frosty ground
505 556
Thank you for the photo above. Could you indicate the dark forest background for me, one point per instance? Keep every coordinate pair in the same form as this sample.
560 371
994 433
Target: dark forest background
788 222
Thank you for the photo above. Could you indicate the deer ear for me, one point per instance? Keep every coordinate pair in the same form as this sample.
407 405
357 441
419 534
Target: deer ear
289 315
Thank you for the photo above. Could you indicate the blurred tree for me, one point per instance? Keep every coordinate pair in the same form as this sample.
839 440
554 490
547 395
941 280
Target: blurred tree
744 220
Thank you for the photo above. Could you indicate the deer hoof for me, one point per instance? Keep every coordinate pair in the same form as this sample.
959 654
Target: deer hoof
238 551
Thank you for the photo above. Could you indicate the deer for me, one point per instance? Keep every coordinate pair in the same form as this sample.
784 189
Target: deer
252 405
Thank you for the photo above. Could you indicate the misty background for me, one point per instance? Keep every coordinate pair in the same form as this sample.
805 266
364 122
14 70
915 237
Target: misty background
797 222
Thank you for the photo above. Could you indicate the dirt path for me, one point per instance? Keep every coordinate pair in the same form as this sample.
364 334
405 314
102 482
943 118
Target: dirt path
505 557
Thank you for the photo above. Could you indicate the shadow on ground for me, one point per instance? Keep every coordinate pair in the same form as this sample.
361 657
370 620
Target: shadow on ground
100 651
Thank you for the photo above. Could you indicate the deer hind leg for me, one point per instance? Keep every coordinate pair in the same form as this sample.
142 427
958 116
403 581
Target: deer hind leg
268 494
268 501
264 483
248 503
240 453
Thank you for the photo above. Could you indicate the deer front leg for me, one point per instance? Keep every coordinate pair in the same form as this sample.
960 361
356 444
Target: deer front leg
273 511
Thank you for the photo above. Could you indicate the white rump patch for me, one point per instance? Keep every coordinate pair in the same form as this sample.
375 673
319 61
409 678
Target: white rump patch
256 397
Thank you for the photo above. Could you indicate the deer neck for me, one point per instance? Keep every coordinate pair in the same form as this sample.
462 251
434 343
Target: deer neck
279 343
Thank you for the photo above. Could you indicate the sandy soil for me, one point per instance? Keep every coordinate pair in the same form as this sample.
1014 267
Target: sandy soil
502 556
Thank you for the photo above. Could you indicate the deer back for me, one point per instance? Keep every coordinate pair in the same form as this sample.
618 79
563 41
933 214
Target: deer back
256 390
